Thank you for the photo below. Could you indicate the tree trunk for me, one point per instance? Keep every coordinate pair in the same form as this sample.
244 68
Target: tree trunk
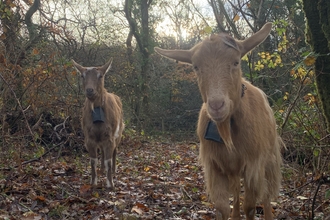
318 36
139 28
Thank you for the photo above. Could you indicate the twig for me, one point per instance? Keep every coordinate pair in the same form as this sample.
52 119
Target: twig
38 158
37 124
21 204
185 193
32 160
61 124
293 104
21 108
328 135
57 134
311 181
322 181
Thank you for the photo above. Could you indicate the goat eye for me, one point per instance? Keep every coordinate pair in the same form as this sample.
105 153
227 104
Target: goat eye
236 63
99 75
195 68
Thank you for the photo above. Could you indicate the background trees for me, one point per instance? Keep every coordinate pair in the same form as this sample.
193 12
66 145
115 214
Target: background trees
40 91
129 30
318 36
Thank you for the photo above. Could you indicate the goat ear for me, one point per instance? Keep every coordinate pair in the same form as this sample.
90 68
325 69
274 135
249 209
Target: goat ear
106 67
178 55
255 40
79 67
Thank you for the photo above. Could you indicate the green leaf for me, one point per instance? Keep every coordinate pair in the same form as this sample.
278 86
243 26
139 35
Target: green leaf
327 194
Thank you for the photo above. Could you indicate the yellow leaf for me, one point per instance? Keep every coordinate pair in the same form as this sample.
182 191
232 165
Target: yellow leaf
309 61
245 58
236 18
301 72
35 51
96 195
146 169
208 30
285 97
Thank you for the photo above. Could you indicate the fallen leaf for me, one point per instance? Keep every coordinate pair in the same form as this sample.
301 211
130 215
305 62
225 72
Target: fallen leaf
137 210
84 189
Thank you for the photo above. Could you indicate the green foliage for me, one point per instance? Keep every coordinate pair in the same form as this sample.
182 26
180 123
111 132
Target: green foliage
299 115
327 194
295 101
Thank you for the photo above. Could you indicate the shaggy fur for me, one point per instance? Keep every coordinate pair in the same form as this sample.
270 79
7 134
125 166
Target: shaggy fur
101 135
245 121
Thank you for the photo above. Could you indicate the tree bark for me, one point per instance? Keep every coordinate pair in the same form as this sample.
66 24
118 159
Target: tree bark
139 28
318 36
28 19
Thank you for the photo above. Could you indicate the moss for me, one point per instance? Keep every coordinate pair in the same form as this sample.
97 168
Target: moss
324 11
318 36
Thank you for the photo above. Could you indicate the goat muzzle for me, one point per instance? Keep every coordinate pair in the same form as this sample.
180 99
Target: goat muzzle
90 93
218 110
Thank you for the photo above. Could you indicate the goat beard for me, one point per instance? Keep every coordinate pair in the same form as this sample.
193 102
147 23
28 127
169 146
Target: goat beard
224 129
92 106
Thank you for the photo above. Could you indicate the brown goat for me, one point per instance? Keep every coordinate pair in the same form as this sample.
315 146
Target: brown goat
102 120
249 146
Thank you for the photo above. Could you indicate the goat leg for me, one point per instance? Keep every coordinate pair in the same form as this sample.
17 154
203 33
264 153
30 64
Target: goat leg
267 210
217 187
92 151
236 209
94 173
114 155
102 160
249 202
108 163
108 171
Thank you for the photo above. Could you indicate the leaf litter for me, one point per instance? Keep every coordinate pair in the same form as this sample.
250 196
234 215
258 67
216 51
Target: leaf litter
154 180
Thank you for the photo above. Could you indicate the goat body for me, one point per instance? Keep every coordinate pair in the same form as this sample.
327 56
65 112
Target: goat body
104 133
245 121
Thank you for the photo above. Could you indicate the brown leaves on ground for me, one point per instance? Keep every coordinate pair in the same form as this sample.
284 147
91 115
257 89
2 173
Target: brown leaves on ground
153 181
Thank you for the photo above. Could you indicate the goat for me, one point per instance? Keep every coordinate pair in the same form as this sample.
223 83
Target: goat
248 146
102 120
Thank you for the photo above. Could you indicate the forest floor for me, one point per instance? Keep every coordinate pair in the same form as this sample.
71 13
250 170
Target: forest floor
154 180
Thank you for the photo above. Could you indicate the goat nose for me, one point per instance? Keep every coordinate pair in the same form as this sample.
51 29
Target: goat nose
216 105
89 91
